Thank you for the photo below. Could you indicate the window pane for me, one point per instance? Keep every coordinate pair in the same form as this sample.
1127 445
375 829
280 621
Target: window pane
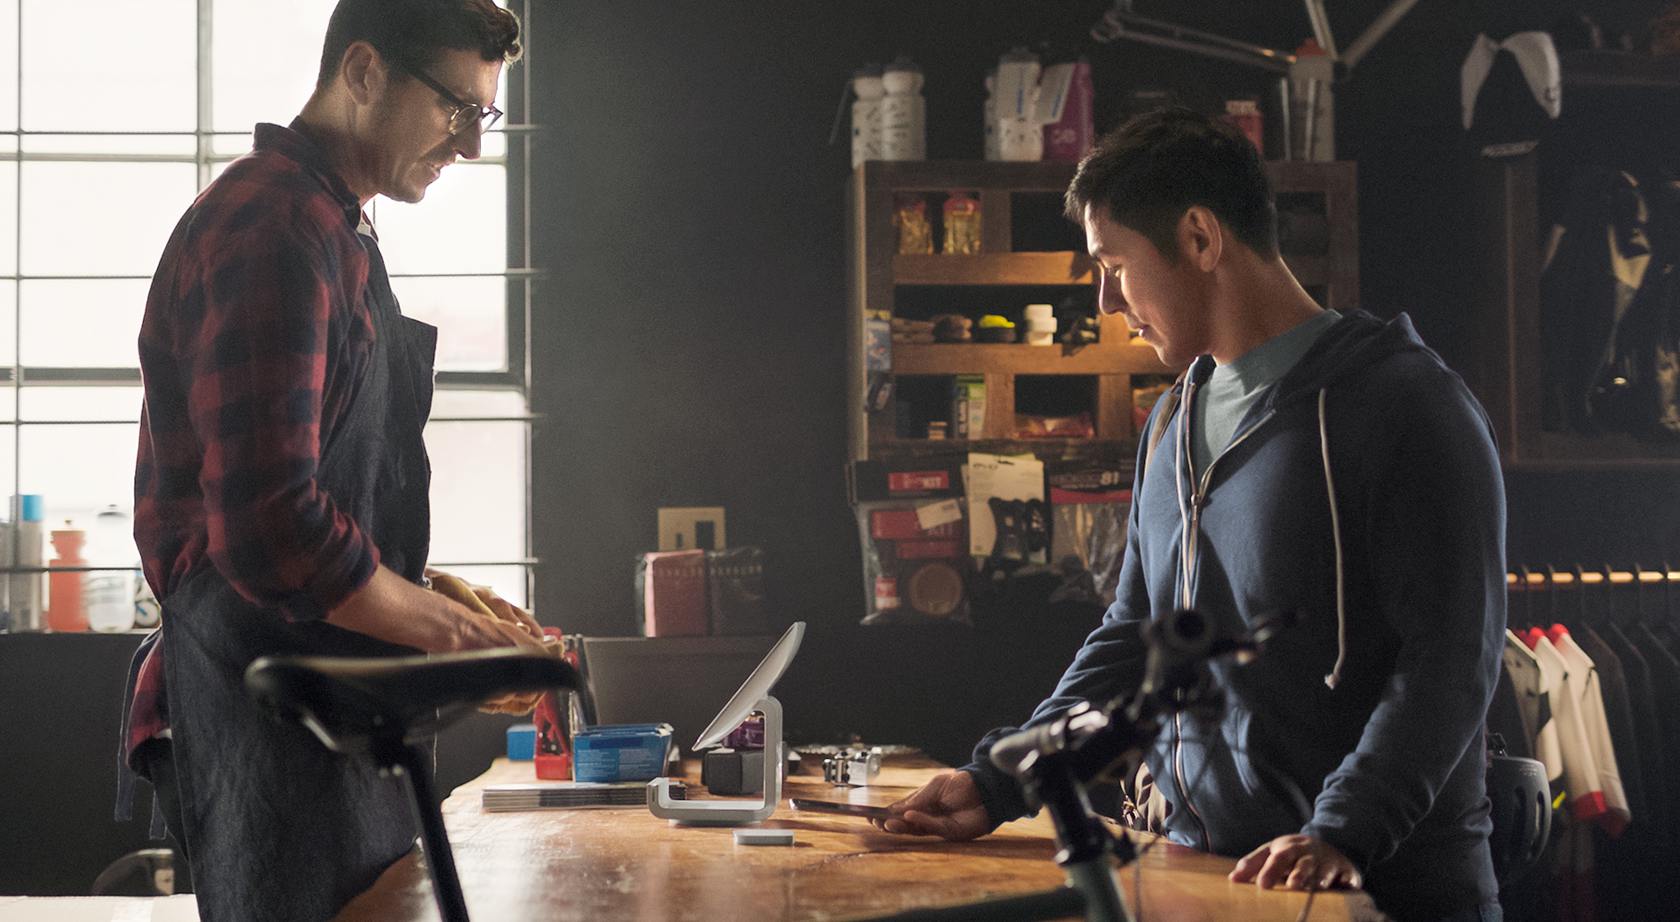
8 218
8 410
8 466
110 65
470 314
509 582
82 403
8 64
477 403
265 56
478 490
179 145
74 228
79 470
8 322
82 324
460 227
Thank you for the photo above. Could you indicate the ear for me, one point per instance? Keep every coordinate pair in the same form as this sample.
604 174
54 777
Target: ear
364 72
1201 238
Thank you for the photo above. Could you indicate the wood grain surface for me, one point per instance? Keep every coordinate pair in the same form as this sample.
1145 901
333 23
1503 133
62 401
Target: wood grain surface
623 863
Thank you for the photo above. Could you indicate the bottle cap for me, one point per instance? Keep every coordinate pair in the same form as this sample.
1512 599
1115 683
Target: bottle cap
903 63
31 504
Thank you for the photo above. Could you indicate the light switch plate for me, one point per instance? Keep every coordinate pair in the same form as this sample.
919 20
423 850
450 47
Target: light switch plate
683 528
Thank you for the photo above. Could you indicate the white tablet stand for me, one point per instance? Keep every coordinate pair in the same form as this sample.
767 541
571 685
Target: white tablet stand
753 695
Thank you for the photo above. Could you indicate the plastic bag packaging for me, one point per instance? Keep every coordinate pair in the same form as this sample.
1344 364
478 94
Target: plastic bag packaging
1090 504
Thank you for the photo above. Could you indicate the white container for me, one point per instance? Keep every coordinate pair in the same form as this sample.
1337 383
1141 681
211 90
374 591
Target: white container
108 595
25 591
1040 325
866 115
1020 133
903 113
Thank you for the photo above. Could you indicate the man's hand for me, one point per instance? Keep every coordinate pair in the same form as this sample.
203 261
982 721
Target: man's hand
505 617
948 806
1297 862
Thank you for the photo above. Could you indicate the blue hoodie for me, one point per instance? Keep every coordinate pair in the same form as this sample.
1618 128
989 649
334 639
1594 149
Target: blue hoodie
1362 723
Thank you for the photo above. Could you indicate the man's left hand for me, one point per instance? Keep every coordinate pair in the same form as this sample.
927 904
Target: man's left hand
1297 862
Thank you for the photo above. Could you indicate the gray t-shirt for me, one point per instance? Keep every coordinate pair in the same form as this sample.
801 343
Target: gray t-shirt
1231 390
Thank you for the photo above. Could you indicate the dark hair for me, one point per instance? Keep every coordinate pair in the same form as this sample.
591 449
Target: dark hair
1147 172
416 31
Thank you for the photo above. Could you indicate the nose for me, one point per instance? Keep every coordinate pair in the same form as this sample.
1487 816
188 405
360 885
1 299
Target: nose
1109 298
470 143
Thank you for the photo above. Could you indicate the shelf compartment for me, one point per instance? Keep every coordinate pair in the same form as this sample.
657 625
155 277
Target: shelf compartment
1014 358
1049 268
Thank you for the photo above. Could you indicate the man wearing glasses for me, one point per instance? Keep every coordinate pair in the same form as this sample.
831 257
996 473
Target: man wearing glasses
281 487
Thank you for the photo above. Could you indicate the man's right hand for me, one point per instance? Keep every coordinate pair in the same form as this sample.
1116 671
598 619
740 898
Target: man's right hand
948 806
397 611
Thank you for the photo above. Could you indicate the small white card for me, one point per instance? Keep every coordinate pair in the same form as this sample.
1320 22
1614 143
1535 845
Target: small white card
763 837
933 515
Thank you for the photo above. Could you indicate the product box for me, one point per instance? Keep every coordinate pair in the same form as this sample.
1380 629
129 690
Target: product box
968 407
671 594
907 478
522 742
622 752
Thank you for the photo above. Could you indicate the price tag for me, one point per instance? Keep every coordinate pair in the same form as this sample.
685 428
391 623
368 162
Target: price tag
933 515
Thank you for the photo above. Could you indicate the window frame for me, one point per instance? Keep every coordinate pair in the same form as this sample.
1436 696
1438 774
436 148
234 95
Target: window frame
519 274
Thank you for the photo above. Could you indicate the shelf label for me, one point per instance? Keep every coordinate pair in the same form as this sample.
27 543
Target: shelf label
933 515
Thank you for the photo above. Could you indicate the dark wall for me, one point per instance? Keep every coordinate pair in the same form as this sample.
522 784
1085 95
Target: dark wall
688 344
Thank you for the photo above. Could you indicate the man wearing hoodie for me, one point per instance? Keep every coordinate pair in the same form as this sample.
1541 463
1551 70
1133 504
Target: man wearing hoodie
1326 466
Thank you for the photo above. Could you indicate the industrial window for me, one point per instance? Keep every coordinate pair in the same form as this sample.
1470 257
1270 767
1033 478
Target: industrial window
113 115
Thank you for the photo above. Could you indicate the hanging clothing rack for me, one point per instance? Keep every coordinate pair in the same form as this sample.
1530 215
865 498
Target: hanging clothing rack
1529 578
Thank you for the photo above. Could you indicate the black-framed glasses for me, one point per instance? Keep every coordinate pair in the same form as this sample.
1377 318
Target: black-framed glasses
465 114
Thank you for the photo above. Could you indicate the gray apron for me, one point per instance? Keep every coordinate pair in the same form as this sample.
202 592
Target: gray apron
278 827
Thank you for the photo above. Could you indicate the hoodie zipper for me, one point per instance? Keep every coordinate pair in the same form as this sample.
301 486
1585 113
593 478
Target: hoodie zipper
1192 530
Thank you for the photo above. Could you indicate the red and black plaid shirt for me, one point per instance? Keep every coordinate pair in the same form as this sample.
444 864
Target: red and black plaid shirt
256 332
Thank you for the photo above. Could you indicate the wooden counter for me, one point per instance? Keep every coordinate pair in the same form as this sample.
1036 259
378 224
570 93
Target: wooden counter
623 863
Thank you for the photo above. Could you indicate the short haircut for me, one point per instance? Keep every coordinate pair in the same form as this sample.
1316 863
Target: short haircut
416 32
1150 170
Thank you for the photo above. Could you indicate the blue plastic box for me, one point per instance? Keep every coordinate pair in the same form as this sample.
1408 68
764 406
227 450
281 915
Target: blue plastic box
522 742
621 752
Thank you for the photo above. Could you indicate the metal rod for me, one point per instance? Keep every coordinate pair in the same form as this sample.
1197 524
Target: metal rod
1321 27
1374 33
440 860
1196 35
1278 65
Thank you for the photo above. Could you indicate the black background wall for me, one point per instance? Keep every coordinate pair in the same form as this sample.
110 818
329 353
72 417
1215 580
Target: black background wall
688 344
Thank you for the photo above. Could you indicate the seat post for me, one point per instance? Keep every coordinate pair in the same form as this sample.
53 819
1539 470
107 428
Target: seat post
394 755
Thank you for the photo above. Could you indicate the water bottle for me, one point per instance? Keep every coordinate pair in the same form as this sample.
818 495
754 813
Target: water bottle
108 594
24 591
903 112
866 114
1020 134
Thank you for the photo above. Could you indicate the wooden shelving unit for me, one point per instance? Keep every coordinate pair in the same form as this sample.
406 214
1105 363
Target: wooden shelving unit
880 277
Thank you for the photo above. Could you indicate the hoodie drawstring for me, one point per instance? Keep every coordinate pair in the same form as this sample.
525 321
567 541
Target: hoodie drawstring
1335 676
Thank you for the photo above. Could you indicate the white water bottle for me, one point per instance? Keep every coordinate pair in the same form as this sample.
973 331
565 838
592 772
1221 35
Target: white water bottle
903 112
24 596
108 594
866 114
1020 133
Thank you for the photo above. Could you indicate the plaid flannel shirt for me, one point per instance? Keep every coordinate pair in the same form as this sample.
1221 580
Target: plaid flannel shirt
255 335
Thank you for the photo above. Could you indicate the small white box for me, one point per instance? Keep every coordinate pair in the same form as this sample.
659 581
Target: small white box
763 837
